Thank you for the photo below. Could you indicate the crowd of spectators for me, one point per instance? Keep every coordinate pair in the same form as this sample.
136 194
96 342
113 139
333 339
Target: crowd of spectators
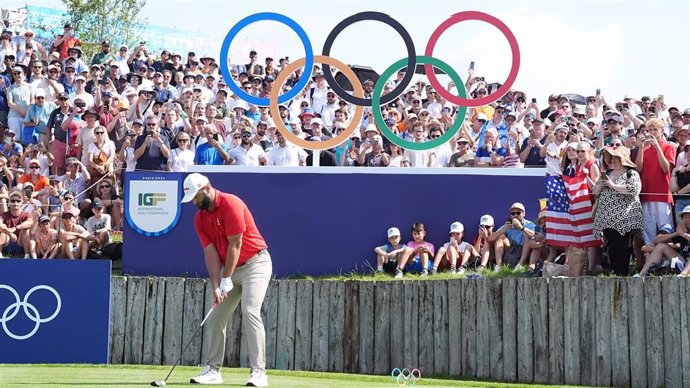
71 126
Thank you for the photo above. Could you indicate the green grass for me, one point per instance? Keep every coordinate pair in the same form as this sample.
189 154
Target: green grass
86 376
371 275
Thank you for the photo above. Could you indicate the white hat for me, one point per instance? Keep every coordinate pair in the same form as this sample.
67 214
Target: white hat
192 184
316 120
80 78
486 220
242 105
371 128
482 116
393 232
518 205
201 118
456 227
40 93
685 210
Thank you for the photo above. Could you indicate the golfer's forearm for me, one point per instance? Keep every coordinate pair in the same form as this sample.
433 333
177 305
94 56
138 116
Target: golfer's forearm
231 258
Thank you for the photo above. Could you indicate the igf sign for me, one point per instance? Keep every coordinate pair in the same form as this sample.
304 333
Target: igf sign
152 204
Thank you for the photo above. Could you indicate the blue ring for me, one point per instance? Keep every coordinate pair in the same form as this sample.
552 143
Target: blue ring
308 67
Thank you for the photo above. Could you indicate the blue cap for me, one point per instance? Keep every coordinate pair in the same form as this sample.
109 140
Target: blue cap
389 121
666 229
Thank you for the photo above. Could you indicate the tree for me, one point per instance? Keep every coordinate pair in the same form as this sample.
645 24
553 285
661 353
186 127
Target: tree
94 21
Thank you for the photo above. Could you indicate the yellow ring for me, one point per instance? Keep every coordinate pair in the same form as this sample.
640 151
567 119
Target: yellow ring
316 145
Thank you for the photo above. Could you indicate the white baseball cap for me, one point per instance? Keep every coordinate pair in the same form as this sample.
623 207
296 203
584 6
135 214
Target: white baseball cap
393 232
518 205
457 227
192 184
486 220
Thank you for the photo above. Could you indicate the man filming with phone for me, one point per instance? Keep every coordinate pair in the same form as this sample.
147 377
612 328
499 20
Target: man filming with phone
151 148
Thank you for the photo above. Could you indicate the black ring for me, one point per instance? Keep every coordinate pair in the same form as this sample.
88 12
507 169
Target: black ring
411 57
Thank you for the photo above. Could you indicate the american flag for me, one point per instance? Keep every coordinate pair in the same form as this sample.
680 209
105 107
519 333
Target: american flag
569 212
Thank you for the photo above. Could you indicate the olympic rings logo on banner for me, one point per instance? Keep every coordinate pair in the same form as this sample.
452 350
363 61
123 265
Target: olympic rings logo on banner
406 377
357 98
30 310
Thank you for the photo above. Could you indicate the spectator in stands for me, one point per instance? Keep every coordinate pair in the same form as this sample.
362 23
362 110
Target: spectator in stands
419 250
655 162
531 147
74 238
9 146
48 83
15 227
491 153
112 202
387 255
65 42
285 154
101 155
19 97
181 158
38 152
36 119
76 180
425 158
44 242
464 157
34 176
554 150
213 151
514 235
98 226
371 153
453 250
151 148
680 181
512 150
669 246
247 153
619 212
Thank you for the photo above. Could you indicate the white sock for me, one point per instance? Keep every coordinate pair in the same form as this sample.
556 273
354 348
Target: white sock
379 268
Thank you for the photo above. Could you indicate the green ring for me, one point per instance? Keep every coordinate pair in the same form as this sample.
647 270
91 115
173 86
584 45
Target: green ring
378 117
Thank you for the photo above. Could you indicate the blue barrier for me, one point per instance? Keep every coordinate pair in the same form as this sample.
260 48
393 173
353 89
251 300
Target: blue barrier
54 311
327 220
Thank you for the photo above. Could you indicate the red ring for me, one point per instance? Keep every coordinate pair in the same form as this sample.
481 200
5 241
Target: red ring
460 17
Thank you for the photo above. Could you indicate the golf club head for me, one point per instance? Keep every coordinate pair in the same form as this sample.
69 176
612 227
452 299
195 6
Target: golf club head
158 383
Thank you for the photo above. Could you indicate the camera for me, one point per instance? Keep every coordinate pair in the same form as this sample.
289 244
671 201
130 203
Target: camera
80 104
480 79
534 101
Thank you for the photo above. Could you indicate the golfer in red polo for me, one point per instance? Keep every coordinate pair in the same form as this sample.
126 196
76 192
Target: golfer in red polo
239 268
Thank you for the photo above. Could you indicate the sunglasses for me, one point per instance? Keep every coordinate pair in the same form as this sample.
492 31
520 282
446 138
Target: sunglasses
246 136
515 213
150 124
38 67
15 201
463 142
105 186
435 136
40 98
581 151
34 167
616 144
99 133
183 140
68 198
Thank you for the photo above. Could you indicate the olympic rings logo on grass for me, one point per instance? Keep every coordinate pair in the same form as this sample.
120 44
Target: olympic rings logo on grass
406 377
377 100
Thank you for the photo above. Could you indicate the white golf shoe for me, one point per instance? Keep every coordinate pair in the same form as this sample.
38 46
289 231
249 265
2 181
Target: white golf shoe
257 378
208 376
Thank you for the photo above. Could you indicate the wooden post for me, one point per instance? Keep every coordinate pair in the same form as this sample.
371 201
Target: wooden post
440 338
483 345
336 313
271 319
469 325
654 328
193 313
303 324
455 327
382 316
426 328
154 321
398 332
510 317
351 329
496 329
620 351
134 329
637 332
366 327
604 291
413 296
172 332
285 334
540 329
684 291
588 345
556 332
673 370
118 312
571 330
525 339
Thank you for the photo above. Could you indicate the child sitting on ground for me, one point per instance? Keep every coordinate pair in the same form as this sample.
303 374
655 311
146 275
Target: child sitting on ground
387 255
670 249
419 250
454 249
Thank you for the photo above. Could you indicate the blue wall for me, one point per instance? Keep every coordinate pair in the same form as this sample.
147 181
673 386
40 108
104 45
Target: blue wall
327 223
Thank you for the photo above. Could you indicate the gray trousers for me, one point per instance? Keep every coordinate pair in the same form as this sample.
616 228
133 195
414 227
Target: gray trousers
250 282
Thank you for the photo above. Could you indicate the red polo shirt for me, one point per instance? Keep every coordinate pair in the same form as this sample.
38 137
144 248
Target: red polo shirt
654 180
229 217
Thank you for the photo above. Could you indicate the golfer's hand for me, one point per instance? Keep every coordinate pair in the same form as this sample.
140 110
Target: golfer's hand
218 296
225 286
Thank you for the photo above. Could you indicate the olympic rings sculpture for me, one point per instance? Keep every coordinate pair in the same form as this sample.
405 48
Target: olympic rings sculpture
377 100
30 310
406 377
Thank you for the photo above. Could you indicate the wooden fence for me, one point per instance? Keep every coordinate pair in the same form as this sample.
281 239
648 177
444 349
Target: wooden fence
589 331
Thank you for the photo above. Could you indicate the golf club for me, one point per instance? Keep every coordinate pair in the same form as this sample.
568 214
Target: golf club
162 383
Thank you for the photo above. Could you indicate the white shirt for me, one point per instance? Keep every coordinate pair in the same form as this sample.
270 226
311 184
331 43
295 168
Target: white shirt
290 155
130 159
443 154
93 151
179 161
42 161
251 157
318 99
418 158
553 164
